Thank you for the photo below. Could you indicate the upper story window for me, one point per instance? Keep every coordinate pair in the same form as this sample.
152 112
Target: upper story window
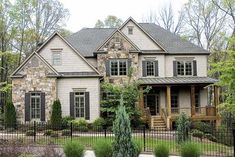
150 68
118 67
130 30
35 105
56 58
185 68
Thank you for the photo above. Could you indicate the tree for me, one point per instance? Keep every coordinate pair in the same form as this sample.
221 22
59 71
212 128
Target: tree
10 115
123 145
109 22
56 115
227 78
183 125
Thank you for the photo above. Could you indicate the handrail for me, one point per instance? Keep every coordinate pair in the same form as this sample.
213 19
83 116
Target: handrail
205 110
163 115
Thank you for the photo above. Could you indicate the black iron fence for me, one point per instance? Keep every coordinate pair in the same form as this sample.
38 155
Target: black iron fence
216 143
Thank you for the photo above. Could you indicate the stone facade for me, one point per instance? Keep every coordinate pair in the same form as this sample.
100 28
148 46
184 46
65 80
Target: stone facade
117 48
34 79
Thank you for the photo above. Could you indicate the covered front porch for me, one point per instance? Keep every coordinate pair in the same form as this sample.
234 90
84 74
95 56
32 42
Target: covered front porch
164 103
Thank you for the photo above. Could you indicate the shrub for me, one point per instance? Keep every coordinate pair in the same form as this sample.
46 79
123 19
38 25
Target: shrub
211 137
223 135
66 121
123 144
190 150
56 115
183 126
73 149
10 115
98 123
202 126
161 150
66 132
29 133
80 125
197 133
138 148
27 155
48 132
54 134
103 148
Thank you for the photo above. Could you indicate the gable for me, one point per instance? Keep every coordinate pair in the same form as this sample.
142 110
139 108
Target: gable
143 41
33 63
119 42
71 60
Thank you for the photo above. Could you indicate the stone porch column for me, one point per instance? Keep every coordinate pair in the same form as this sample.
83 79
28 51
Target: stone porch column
193 102
168 106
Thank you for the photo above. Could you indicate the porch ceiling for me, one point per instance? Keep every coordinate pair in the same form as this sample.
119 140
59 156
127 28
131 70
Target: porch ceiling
177 80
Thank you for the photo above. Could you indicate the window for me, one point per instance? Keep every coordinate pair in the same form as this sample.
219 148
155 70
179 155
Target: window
130 30
184 68
174 102
150 68
118 67
56 58
35 105
79 104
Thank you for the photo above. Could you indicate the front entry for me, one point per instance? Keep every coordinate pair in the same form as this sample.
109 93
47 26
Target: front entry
152 102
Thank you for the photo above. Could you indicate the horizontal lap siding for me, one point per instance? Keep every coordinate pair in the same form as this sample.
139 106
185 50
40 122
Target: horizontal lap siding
65 86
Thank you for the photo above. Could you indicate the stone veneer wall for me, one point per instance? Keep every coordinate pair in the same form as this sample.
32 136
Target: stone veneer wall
34 79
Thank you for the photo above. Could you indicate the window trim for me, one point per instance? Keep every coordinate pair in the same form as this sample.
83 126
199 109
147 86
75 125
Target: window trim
184 68
118 67
154 67
40 103
84 99
130 30
60 58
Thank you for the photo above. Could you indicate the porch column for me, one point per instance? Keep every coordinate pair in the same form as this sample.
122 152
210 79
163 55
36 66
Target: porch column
141 103
168 100
193 106
216 98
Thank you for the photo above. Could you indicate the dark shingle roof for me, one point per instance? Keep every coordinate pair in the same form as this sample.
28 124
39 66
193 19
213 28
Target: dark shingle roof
178 80
87 40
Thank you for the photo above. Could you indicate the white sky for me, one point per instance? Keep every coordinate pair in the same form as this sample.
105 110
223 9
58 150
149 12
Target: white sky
85 13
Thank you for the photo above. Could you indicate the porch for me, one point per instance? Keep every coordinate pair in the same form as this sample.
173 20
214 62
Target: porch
164 103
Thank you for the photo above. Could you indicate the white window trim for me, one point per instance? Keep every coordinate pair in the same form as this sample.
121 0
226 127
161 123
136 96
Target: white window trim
75 96
118 67
30 108
128 28
60 54
184 62
153 68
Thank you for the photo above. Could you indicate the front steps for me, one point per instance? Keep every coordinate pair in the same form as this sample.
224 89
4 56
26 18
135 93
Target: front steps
157 123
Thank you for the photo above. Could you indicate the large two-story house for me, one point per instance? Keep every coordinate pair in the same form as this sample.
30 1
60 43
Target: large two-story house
71 70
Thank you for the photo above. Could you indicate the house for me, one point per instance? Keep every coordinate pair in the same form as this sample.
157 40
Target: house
71 69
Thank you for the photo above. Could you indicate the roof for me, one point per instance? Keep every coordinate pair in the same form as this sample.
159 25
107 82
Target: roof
87 40
177 80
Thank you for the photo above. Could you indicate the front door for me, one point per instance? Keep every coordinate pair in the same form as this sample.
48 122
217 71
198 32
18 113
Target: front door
151 101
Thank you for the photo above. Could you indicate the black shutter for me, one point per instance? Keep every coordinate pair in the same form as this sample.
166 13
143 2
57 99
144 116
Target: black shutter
107 66
156 68
174 68
71 100
144 70
43 101
87 106
194 68
27 107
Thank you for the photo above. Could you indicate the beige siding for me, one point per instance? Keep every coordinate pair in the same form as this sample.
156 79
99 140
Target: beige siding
139 38
161 64
92 85
92 61
201 64
71 62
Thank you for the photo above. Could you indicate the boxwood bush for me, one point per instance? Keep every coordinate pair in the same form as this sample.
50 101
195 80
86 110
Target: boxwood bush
190 150
98 124
103 148
48 132
73 149
29 133
80 125
161 150
197 133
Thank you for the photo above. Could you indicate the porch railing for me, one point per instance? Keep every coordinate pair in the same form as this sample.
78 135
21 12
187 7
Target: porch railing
203 111
163 114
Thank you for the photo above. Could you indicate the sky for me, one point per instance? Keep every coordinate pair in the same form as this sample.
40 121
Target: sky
85 13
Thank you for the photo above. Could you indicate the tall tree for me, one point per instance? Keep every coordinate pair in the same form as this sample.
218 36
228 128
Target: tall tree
109 22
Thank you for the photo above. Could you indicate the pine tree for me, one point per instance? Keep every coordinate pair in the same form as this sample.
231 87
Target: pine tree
56 115
10 115
183 125
123 146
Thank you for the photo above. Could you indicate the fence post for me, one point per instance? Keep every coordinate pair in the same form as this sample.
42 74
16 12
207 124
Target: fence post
71 131
233 141
34 130
144 138
105 131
